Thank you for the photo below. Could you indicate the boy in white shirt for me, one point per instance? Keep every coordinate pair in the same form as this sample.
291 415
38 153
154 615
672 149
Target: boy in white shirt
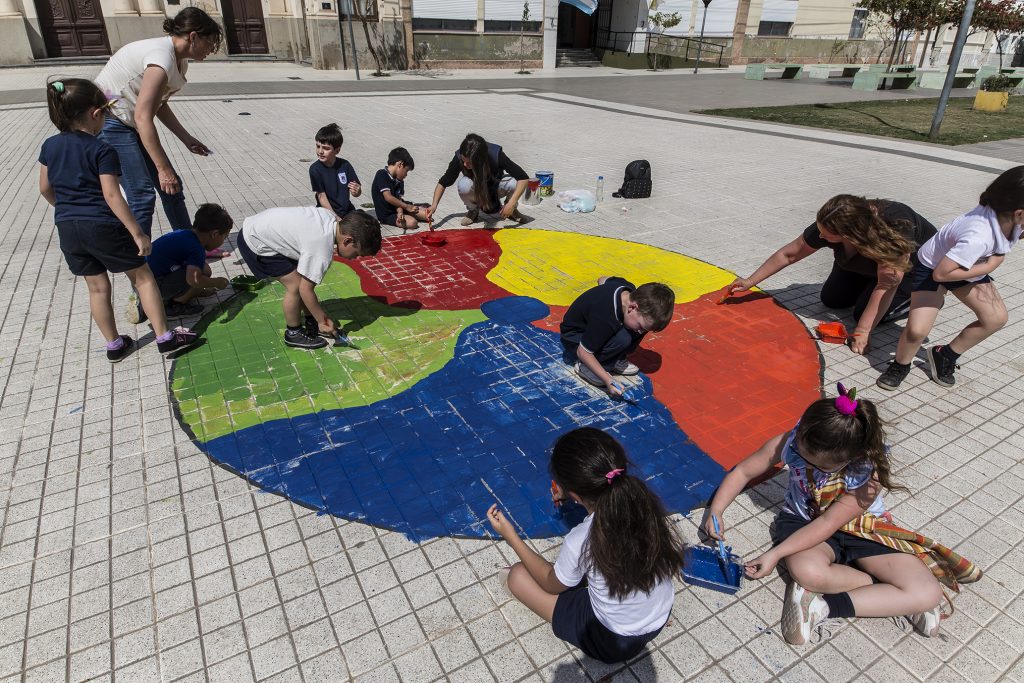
960 258
295 246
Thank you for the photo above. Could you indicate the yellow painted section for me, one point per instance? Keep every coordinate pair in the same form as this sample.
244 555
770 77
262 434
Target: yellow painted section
556 267
991 101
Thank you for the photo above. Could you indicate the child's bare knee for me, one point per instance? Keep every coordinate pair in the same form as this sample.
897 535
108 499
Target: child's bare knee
99 284
997 321
808 574
915 335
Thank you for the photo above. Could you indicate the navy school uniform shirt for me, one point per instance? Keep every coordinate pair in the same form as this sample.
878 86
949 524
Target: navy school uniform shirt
175 250
333 181
383 182
597 314
74 162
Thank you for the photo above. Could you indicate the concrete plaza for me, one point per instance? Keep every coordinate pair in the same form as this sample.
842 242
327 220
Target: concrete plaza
126 554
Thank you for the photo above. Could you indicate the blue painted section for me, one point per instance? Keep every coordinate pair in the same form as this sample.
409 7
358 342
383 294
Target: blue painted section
418 462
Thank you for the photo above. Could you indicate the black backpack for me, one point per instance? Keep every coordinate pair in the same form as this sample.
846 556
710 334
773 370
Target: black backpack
637 182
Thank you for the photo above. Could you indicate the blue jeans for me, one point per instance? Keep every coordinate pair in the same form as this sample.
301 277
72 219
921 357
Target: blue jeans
140 180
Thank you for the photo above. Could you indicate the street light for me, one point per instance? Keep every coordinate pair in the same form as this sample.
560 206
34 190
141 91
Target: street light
700 44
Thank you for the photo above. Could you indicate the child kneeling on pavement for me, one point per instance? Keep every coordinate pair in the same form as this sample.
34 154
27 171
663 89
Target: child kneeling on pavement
606 323
295 246
178 262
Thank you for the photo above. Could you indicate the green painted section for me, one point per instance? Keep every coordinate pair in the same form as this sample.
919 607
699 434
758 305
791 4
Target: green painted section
244 375
484 47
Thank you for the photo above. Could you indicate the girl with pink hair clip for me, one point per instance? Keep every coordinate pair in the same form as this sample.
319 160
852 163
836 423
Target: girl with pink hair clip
844 555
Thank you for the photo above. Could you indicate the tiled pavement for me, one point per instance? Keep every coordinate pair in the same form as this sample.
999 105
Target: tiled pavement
126 554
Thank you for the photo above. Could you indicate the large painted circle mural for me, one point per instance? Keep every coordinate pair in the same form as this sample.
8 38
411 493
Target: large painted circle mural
453 387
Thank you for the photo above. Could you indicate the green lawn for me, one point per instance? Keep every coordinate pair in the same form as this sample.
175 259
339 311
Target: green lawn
906 119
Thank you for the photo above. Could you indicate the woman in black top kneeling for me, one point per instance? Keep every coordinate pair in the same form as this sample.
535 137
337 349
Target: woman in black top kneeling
874 243
487 177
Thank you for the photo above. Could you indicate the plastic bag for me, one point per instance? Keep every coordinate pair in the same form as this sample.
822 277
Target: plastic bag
577 201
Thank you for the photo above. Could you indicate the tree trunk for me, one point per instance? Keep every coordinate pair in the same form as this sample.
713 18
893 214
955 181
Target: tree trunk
358 12
892 53
739 31
924 51
405 6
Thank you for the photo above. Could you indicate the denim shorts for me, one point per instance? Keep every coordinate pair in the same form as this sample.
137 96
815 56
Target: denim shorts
922 281
92 247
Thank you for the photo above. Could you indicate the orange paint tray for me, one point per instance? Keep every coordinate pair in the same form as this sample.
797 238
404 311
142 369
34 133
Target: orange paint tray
832 333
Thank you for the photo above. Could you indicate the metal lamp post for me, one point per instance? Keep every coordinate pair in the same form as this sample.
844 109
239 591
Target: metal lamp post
700 44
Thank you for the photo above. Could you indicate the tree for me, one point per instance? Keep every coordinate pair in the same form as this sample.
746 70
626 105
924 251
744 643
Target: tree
902 16
1003 18
522 38
360 14
662 22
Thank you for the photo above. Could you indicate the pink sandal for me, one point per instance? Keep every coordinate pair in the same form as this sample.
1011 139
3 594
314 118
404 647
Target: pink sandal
217 253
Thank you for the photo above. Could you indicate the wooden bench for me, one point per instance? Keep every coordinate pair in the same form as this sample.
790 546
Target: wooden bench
755 72
873 80
934 80
824 71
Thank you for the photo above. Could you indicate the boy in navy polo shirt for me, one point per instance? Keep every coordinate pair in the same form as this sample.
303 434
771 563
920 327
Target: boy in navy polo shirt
388 192
178 261
606 323
333 178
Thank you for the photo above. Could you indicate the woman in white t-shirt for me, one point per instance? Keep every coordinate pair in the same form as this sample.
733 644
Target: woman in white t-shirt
959 259
610 591
142 76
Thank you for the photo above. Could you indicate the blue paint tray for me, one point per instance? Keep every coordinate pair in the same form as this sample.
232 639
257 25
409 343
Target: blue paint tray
702 566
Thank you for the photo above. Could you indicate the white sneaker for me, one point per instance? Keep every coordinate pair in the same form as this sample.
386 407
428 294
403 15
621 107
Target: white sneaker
802 610
133 312
926 623
624 367
470 218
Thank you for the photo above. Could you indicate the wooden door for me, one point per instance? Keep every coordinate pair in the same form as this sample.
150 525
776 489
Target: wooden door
243 21
72 28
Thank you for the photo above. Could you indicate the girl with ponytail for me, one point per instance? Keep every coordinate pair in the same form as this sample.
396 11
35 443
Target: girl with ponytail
610 590
960 259
843 553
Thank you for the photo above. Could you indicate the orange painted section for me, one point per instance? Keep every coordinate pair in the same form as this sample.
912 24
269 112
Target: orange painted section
733 375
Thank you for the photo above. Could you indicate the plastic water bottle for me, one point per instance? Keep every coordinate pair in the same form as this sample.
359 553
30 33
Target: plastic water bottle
600 188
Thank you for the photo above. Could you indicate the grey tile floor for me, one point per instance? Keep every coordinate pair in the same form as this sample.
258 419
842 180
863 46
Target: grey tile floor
126 554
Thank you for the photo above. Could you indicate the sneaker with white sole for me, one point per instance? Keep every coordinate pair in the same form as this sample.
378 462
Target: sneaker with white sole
927 623
588 376
301 339
802 610
942 368
624 367
133 310
471 217
181 338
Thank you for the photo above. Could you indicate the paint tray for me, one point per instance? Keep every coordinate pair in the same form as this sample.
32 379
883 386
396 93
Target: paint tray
248 283
702 566
833 333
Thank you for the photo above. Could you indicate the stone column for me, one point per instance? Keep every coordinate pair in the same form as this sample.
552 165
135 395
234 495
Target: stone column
8 8
123 7
550 52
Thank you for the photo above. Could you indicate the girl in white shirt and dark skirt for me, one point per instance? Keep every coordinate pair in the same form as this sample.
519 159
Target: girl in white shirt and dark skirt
610 591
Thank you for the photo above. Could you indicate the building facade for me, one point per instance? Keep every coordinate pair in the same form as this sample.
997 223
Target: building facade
398 34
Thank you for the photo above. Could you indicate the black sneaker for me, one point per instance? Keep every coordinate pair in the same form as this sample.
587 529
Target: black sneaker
181 338
177 309
118 355
942 368
893 376
301 339
312 329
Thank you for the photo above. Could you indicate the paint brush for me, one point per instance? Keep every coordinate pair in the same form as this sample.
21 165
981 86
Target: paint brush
725 297
723 557
622 395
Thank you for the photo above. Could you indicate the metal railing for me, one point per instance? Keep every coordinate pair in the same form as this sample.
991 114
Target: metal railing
643 42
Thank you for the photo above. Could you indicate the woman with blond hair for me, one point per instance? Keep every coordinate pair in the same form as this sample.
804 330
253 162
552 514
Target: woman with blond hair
874 243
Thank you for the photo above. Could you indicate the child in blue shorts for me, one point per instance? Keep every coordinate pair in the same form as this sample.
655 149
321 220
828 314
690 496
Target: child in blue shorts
98 234
388 193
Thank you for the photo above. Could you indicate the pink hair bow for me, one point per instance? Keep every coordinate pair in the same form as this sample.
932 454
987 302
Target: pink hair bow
613 473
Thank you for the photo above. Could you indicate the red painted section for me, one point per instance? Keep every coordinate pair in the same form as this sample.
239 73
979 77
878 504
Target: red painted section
732 375
451 277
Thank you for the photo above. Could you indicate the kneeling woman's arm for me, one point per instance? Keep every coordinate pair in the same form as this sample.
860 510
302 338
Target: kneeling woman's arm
542 571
